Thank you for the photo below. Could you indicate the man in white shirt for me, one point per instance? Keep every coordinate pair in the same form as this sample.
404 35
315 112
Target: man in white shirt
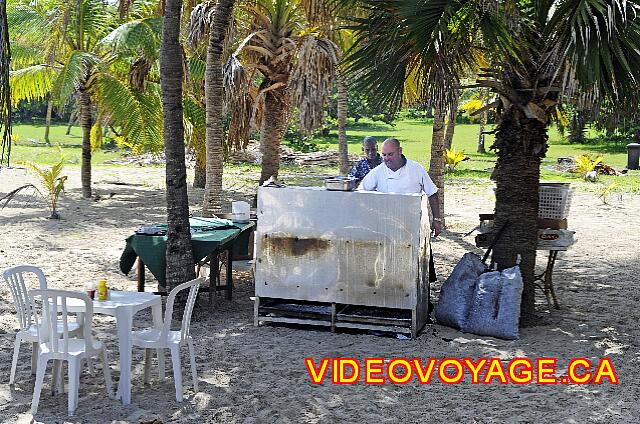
397 174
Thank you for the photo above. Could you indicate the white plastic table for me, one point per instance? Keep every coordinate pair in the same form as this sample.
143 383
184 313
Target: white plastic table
124 305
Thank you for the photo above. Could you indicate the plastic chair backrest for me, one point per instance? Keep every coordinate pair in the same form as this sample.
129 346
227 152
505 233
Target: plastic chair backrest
14 277
54 313
193 287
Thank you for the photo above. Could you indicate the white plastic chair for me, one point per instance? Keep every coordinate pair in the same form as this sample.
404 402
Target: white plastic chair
57 345
15 278
166 338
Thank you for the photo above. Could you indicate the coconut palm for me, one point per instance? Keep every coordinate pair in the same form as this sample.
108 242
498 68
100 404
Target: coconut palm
88 56
292 67
542 53
214 20
179 252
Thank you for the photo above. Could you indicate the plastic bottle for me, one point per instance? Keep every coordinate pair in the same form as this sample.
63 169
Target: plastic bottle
102 289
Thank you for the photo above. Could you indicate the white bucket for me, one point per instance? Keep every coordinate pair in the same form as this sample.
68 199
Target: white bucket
240 211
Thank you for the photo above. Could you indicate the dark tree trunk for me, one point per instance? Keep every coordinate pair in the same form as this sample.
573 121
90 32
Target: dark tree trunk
273 126
179 254
451 123
436 166
517 180
343 149
483 125
577 127
5 87
48 121
86 122
484 116
72 119
200 174
212 203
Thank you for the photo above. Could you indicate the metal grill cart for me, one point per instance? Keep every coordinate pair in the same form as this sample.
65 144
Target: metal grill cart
342 259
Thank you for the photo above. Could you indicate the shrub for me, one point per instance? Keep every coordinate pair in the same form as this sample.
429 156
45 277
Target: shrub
452 158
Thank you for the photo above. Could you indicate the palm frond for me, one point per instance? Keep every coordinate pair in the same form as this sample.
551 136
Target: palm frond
138 37
93 24
240 101
74 74
598 43
32 83
23 56
312 78
139 115
195 126
200 21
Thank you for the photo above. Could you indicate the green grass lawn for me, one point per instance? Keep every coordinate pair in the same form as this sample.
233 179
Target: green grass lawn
414 134
28 145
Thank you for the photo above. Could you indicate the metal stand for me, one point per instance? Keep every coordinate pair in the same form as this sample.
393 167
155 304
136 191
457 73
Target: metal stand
546 278
336 316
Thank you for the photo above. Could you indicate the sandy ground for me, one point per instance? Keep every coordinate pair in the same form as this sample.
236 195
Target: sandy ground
253 374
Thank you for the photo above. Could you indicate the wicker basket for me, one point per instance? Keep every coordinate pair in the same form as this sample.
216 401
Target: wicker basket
554 200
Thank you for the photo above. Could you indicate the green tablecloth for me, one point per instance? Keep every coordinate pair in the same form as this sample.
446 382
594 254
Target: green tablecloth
208 234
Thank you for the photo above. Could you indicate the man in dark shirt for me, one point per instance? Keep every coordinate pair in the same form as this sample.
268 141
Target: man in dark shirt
371 160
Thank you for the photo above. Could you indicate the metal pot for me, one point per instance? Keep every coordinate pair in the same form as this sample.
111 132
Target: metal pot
340 183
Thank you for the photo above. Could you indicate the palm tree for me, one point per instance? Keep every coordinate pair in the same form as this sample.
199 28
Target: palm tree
542 52
89 57
179 252
5 88
292 66
222 18
451 120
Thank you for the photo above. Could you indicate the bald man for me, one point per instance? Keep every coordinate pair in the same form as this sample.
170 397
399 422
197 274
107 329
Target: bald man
397 174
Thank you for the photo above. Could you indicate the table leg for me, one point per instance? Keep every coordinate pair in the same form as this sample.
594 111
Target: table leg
548 277
229 271
156 311
140 275
214 275
124 318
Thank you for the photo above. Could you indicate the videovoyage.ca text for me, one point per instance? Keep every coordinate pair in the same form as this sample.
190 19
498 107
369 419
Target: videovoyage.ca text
460 371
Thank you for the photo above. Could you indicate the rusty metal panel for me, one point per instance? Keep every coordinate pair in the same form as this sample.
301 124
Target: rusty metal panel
357 248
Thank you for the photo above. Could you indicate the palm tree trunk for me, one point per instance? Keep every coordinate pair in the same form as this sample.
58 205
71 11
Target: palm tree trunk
5 88
179 252
436 167
213 98
273 126
483 124
576 127
200 173
484 116
343 149
451 124
72 119
86 122
48 121
517 180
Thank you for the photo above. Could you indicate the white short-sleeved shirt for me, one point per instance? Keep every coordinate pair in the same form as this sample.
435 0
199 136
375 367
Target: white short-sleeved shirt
409 179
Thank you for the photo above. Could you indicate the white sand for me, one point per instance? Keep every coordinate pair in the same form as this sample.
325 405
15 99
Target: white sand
257 375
